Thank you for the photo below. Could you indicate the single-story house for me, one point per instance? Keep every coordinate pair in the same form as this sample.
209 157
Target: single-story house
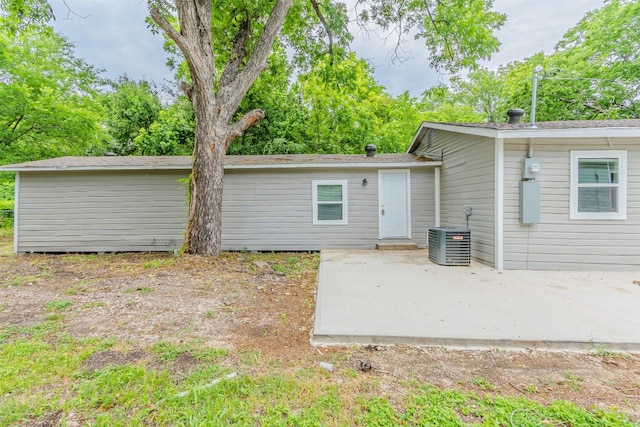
559 196
279 202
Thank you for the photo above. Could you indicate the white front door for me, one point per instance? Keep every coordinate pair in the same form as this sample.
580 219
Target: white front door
394 200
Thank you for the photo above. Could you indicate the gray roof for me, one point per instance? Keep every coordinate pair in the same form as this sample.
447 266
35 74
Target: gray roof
284 161
564 131
562 124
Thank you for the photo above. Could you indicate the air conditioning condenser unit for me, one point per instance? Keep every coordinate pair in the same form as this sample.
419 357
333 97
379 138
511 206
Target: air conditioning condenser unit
450 246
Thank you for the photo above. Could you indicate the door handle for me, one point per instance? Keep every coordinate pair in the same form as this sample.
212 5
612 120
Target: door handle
382 211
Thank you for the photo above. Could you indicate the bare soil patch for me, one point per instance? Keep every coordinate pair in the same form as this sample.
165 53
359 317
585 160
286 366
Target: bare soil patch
261 306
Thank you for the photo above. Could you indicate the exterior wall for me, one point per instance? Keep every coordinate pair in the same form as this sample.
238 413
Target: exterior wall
467 180
272 210
100 211
558 243
146 211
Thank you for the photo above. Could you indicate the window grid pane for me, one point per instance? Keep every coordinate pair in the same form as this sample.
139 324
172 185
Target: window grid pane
330 193
598 185
330 212
597 199
330 202
598 171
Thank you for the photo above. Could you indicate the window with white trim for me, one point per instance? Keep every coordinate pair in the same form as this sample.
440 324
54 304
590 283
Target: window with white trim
599 184
329 202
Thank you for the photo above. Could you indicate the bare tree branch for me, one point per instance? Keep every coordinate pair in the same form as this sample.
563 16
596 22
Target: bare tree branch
194 40
238 52
316 9
232 94
435 27
187 89
167 27
238 127
69 12
17 122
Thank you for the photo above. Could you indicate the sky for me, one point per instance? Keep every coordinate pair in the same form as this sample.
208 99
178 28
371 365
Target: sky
112 35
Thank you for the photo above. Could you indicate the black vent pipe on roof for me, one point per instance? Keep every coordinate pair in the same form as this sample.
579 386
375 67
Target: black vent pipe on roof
370 149
515 115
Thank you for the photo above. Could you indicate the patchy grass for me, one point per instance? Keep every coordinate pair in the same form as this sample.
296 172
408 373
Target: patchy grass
105 355
6 241
158 263
44 378
59 305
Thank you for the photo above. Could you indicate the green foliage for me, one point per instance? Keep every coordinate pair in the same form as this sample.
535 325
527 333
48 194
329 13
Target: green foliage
457 34
343 98
592 75
605 46
348 109
171 133
132 108
6 200
336 107
443 104
20 15
283 130
482 92
306 38
49 97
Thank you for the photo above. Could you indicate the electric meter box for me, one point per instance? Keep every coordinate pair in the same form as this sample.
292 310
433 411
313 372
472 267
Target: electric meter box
530 168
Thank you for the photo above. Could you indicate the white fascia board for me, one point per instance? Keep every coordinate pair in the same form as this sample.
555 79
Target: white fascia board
337 166
232 167
506 134
570 133
93 168
499 204
16 213
417 137
492 133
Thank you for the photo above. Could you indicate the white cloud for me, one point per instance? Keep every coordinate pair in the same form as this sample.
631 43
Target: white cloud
535 26
115 37
112 35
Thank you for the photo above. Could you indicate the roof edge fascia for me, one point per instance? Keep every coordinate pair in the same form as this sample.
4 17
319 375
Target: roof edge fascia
507 134
229 167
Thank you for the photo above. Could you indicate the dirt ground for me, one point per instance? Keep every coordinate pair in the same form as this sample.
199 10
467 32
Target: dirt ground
263 305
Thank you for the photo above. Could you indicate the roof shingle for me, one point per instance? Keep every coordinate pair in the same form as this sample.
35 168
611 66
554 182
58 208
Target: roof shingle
184 162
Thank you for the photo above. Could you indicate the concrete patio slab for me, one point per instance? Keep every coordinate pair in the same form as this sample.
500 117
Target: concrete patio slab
400 297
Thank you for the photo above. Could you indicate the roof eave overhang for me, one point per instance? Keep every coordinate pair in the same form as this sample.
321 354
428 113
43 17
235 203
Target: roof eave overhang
569 133
231 167
537 133
338 165
90 168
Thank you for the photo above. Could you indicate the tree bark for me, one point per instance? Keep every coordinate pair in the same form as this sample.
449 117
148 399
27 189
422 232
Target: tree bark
214 112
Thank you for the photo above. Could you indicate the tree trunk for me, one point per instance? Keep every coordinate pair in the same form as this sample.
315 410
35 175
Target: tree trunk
215 128
204 229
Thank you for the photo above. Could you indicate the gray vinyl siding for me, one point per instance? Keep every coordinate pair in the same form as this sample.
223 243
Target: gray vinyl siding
146 211
467 180
559 243
272 210
423 214
100 211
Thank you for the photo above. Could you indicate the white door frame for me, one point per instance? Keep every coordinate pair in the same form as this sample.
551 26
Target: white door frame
407 173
